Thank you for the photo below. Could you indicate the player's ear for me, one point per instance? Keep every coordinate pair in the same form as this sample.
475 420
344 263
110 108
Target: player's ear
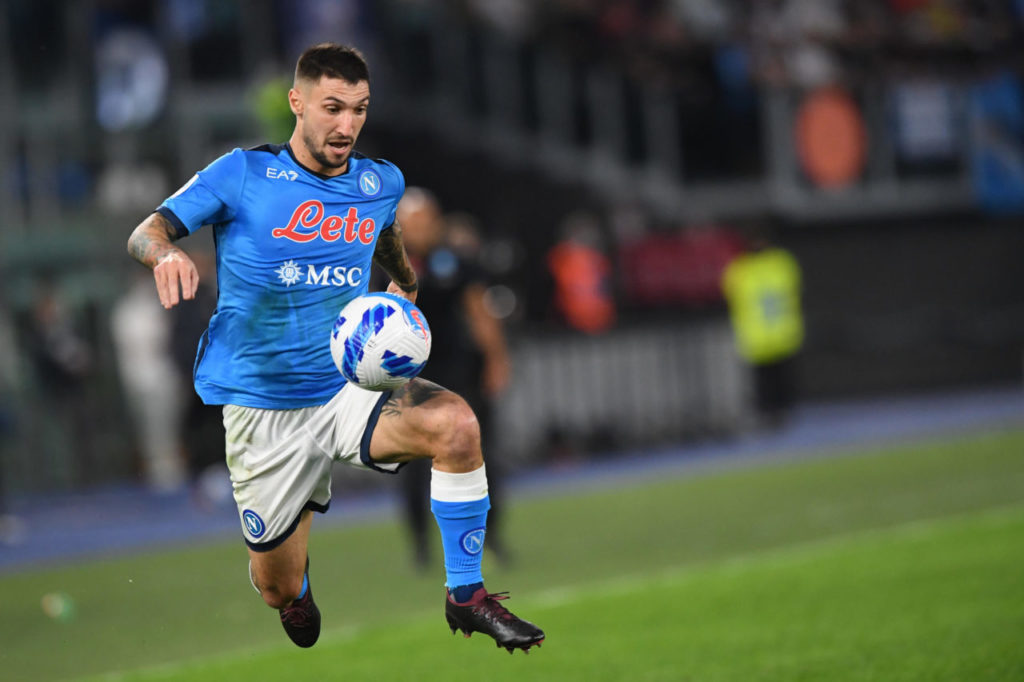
295 101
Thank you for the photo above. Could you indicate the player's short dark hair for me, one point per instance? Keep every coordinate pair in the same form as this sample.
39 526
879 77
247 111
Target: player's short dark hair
334 61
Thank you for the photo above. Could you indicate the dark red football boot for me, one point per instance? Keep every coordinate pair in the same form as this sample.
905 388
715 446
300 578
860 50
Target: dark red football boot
483 613
301 618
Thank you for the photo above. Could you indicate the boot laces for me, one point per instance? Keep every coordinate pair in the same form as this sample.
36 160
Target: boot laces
490 606
296 614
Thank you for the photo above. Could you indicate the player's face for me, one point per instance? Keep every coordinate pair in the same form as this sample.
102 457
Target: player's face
330 112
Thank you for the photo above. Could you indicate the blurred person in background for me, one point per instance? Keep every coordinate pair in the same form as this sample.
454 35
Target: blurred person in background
762 289
63 360
582 274
469 354
795 41
297 226
153 392
202 425
11 527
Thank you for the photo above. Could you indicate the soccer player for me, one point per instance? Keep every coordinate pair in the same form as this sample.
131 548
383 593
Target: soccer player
296 227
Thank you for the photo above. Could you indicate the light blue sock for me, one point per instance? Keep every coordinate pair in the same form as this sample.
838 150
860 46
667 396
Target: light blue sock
460 503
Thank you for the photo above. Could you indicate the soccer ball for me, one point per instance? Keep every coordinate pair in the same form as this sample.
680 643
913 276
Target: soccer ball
380 341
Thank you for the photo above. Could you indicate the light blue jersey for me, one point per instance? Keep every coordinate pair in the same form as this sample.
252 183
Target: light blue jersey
293 247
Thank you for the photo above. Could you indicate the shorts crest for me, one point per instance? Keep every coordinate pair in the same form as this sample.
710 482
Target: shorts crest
253 523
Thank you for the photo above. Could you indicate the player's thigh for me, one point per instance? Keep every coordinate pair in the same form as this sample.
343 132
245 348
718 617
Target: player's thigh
287 561
419 420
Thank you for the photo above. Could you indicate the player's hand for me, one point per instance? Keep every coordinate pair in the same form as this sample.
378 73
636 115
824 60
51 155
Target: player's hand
397 291
173 270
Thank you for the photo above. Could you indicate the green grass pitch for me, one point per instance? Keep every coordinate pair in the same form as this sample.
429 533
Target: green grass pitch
901 563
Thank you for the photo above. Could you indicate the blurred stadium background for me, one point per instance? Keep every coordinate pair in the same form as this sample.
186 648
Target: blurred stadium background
665 129
880 141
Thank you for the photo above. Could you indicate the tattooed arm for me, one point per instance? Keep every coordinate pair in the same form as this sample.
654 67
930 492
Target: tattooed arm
390 255
151 243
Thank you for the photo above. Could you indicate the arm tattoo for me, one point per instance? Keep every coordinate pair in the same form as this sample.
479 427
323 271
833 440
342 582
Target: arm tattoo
152 240
391 256
412 394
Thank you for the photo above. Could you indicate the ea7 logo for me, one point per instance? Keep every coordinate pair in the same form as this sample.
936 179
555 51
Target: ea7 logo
277 173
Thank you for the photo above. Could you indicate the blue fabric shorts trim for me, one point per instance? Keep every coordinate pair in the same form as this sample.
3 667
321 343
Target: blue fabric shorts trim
364 444
364 456
276 542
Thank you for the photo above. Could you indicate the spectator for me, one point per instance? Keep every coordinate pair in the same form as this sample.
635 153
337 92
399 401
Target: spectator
153 392
62 361
468 356
583 276
202 432
11 527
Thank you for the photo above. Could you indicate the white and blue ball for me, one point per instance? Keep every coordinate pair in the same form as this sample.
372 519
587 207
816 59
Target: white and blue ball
380 341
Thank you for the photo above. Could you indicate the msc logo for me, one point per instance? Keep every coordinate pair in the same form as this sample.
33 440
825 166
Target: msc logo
473 541
253 523
309 221
291 273
278 174
369 183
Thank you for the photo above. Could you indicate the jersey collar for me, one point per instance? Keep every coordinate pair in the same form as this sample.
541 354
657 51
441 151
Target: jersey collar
348 166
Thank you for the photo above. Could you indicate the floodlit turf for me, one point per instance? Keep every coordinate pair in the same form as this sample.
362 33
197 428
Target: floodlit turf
902 564
934 601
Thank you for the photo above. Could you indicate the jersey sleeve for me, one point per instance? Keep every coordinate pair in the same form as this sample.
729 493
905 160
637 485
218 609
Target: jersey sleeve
397 181
211 196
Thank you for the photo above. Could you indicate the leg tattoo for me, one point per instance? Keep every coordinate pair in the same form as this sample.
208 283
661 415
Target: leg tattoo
413 394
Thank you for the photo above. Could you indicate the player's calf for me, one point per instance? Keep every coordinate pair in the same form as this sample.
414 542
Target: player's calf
299 614
280 593
301 618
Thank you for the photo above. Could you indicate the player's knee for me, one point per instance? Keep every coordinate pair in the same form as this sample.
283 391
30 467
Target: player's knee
458 436
465 431
280 593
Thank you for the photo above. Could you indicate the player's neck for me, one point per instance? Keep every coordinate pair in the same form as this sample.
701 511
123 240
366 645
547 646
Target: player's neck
306 160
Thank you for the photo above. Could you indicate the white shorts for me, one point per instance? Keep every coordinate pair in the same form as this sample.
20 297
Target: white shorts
280 460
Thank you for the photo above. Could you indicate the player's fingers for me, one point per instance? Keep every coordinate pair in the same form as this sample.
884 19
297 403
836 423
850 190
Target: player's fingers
189 282
167 280
172 288
162 287
398 291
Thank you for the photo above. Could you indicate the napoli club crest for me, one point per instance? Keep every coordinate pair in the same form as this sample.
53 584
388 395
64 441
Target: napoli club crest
473 541
253 523
370 184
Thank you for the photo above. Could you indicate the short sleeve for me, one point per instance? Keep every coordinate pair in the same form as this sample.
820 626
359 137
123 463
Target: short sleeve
397 181
211 196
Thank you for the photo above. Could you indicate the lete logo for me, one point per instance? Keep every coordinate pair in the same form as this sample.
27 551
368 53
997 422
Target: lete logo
309 222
